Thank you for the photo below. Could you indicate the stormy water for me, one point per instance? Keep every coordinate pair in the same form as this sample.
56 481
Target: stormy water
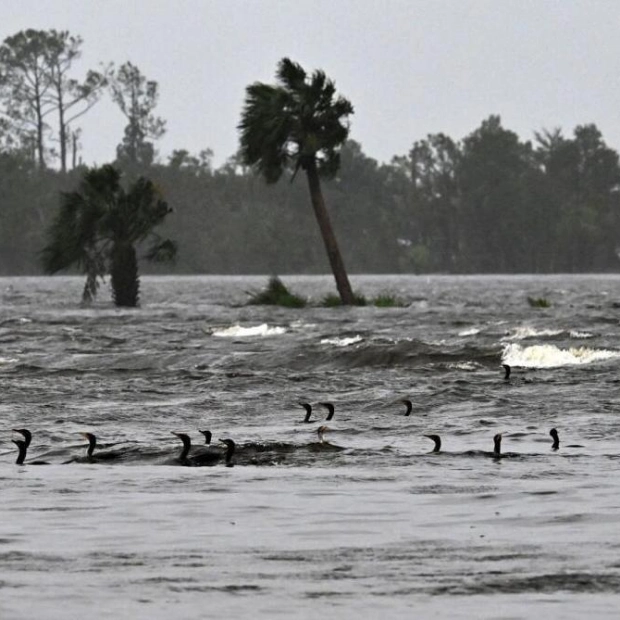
370 521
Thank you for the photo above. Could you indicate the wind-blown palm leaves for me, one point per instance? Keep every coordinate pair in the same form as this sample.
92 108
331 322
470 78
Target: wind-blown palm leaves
299 123
97 228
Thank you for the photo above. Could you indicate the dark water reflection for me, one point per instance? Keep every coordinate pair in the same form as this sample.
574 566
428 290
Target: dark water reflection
296 529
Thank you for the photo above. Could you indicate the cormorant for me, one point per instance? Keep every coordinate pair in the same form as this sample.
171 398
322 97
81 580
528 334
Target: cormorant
497 442
497 448
26 434
409 406
308 408
187 444
556 439
437 440
230 450
330 410
90 457
22 446
209 455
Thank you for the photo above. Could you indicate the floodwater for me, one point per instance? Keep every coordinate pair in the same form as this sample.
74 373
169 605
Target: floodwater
367 523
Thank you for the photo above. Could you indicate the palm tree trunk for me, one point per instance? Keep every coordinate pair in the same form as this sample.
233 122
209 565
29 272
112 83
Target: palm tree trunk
329 238
124 275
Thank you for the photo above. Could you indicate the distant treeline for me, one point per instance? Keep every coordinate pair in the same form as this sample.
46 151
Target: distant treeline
487 204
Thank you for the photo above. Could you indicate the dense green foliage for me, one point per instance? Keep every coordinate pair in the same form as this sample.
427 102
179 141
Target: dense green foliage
276 294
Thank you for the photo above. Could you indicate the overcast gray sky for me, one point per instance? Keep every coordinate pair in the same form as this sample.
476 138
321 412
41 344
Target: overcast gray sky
410 67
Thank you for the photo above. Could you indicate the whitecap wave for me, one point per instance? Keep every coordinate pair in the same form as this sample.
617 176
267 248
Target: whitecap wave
463 366
581 335
523 332
469 332
7 360
236 331
550 356
342 342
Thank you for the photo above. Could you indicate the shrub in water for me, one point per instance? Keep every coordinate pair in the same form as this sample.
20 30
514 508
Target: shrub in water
276 294
538 302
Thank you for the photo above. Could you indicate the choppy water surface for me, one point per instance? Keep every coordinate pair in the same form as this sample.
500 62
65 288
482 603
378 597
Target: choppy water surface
297 528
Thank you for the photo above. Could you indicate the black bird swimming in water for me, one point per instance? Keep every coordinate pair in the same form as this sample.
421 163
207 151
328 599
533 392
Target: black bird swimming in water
437 440
90 456
409 406
556 439
497 448
507 370
27 435
209 455
308 408
187 445
22 446
497 443
230 451
330 410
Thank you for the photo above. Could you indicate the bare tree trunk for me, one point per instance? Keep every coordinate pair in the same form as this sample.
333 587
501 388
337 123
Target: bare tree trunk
327 232
63 137
40 128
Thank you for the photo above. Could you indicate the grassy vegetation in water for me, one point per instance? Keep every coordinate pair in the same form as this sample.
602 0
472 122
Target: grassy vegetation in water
387 300
276 294
384 300
538 302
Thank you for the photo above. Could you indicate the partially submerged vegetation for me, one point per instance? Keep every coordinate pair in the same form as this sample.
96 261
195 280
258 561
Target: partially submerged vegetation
277 294
383 300
539 302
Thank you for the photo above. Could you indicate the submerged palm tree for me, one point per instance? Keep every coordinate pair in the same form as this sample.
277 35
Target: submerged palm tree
299 123
98 227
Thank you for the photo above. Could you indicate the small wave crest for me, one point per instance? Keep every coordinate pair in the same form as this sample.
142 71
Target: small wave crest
526 332
550 356
469 332
342 342
237 331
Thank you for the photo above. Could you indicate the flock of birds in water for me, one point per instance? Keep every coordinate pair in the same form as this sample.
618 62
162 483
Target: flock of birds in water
209 455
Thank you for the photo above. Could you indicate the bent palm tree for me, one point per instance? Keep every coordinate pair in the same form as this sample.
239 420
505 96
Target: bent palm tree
299 123
97 229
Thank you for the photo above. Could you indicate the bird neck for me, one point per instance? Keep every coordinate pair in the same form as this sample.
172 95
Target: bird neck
497 445
23 448
92 442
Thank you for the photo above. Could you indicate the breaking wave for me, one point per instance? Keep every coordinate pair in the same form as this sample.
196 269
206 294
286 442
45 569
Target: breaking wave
342 342
550 356
236 331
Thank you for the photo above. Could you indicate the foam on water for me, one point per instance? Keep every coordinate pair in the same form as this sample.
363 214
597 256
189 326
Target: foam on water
550 356
237 331
342 342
